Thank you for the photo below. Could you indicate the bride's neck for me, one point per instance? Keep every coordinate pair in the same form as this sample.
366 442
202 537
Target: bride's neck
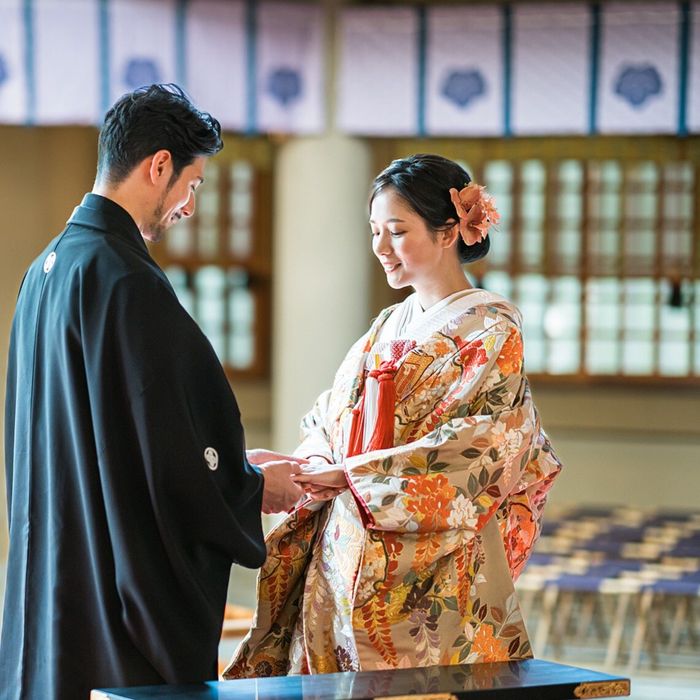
435 290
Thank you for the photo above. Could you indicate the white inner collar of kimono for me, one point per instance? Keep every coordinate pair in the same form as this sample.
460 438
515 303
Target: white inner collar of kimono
409 321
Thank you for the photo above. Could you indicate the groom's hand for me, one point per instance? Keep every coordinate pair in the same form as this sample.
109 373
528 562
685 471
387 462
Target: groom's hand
280 493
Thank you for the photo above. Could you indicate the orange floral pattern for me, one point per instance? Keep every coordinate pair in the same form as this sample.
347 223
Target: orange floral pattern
488 647
430 499
510 359
407 568
520 531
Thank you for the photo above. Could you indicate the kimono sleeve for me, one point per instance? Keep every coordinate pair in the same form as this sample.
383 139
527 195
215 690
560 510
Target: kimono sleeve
522 511
457 475
181 441
178 500
315 441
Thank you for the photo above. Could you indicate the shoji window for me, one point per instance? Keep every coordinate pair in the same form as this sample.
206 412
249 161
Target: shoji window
219 261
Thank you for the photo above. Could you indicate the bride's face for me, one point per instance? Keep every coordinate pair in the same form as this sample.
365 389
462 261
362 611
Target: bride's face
409 253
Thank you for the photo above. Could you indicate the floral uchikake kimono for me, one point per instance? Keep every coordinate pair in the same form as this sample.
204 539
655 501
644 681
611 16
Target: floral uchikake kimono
414 564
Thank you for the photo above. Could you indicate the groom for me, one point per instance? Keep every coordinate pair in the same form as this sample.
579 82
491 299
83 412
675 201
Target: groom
129 491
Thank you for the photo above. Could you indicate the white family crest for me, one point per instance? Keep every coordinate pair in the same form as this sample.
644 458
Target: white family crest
211 457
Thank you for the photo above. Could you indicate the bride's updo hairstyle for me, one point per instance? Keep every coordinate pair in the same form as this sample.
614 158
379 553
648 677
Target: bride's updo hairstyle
423 181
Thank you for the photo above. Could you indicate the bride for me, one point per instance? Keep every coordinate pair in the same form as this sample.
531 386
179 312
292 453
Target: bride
425 466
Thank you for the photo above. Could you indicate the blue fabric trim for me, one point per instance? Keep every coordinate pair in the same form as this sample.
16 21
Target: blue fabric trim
181 9
422 63
105 91
507 68
683 63
594 57
29 68
251 38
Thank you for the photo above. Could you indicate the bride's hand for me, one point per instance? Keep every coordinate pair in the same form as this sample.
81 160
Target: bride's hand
322 478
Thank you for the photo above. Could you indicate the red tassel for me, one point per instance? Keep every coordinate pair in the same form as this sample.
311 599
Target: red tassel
383 433
357 429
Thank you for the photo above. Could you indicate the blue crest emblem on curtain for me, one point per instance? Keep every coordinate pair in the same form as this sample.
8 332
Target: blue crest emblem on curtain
285 85
637 84
4 74
140 72
463 86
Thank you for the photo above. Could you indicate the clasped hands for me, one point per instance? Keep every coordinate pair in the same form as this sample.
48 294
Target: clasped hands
289 479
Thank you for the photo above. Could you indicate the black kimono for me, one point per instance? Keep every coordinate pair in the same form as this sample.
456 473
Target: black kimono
129 494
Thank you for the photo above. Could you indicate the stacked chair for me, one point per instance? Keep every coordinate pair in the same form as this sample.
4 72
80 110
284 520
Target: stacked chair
626 578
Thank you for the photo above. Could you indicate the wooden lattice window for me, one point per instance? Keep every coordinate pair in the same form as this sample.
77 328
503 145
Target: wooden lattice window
219 262
600 249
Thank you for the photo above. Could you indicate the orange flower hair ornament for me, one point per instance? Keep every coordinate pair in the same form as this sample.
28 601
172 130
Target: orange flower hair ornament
476 211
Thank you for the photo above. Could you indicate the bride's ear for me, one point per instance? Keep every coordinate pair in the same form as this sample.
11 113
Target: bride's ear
448 236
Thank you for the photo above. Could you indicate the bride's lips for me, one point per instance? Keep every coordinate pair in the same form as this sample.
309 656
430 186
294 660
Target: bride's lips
390 268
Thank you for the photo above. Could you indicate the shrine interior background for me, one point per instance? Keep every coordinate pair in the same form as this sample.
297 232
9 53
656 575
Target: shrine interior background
599 246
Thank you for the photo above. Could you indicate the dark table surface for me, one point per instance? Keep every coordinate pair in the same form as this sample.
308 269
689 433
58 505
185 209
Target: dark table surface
533 680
